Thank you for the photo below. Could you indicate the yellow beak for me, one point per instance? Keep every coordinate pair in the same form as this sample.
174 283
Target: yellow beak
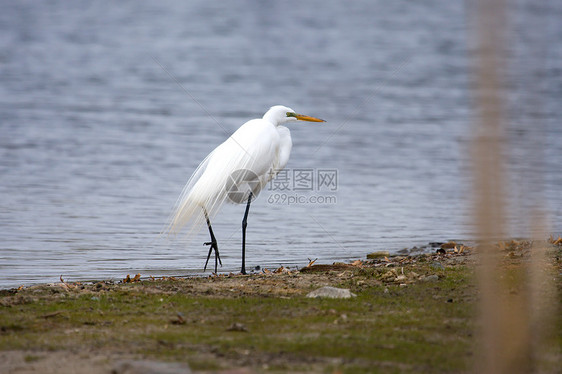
302 117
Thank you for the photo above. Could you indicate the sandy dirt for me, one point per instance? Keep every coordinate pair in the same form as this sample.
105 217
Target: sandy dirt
381 272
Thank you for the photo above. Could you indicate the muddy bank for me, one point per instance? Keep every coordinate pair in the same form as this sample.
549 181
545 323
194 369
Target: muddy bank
411 313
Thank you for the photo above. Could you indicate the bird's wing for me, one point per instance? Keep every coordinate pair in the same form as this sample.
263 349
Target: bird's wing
253 147
261 144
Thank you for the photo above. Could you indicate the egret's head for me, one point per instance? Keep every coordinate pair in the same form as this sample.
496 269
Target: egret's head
280 114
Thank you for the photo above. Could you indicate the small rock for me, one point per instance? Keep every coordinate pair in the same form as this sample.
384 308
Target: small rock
403 251
378 254
389 275
341 319
237 327
179 320
437 265
449 245
331 292
430 278
150 367
400 278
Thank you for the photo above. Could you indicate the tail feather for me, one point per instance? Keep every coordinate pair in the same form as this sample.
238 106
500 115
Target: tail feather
188 208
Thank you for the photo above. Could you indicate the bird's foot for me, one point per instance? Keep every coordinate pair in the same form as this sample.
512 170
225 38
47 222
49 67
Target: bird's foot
213 246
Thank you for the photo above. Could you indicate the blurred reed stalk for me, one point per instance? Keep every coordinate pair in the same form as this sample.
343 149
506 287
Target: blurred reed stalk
516 304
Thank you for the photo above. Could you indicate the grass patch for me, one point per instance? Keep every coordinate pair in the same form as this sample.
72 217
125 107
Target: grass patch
417 318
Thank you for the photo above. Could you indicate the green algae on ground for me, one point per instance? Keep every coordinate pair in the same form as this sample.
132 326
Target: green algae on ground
414 315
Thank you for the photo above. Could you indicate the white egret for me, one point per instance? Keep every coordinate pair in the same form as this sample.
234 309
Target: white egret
236 171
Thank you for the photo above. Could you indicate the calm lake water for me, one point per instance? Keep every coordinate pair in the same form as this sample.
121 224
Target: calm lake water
107 109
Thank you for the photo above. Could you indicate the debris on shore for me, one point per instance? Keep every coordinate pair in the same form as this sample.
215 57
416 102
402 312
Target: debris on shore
399 304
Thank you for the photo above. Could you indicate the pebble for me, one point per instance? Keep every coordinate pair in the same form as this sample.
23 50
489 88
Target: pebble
389 275
378 254
430 278
437 265
149 367
237 326
331 292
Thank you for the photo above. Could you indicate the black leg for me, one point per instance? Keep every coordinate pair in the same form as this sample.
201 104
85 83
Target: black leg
213 245
244 225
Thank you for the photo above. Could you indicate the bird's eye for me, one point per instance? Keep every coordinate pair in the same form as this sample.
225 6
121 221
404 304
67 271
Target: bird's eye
291 114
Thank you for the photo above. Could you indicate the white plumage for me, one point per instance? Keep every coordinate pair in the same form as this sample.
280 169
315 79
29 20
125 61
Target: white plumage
244 163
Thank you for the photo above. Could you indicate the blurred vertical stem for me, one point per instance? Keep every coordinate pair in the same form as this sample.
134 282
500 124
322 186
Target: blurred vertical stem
518 303
504 317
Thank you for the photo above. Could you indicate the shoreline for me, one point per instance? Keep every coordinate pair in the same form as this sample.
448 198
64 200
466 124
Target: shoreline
428 248
411 313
